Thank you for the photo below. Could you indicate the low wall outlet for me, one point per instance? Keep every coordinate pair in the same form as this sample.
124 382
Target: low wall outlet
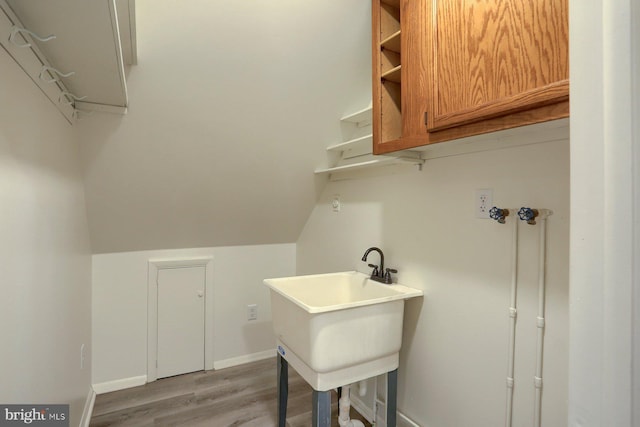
483 202
335 203
252 312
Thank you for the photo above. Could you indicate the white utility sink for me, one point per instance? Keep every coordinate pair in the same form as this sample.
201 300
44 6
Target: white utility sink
338 328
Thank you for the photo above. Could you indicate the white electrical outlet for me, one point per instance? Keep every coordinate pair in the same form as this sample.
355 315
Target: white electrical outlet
483 202
252 312
335 203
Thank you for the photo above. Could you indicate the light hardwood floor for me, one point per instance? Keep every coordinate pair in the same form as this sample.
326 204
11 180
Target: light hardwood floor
239 396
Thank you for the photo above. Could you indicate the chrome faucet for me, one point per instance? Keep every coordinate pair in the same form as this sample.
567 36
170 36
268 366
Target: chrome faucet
379 274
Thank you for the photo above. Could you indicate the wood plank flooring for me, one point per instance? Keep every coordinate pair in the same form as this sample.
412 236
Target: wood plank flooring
239 396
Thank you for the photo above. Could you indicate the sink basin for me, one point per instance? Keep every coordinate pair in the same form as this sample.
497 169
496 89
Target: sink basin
338 328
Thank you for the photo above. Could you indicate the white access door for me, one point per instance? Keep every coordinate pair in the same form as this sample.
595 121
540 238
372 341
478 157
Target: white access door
181 305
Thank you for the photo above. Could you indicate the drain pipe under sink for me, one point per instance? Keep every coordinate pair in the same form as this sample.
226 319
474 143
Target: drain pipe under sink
362 388
344 405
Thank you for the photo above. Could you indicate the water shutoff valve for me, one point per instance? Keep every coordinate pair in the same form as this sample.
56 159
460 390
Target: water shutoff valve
498 214
528 214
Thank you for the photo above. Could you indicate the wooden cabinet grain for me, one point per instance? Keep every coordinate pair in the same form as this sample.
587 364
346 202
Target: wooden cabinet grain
474 66
496 57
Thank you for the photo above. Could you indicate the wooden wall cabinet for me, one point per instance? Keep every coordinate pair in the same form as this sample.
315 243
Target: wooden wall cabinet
387 71
467 67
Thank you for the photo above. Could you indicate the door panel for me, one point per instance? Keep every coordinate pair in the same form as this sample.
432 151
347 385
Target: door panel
180 320
498 57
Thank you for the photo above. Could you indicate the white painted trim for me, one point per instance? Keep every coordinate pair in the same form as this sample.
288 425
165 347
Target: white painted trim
635 132
155 265
88 408
116 39
367 413
101 108
241 360
132 32
601 271
401 419
360 406
404 421
121 384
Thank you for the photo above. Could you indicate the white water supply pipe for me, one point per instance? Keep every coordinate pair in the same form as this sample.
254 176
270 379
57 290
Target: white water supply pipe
512 321
344 405
542 261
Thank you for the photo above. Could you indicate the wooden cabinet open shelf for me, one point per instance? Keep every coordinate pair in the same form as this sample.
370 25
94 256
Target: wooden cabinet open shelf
387 71
390 111
392 75
392 43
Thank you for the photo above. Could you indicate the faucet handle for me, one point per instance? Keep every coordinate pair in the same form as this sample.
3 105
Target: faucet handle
387 274
375 269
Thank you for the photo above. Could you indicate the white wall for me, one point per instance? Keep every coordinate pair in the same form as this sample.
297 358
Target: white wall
231 107
605 206
120 304
44 251
454 358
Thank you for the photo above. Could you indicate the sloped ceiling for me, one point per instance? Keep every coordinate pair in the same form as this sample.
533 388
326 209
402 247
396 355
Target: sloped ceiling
231 107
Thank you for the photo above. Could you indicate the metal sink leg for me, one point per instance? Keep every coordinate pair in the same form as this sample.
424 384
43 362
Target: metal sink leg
283 390
321 413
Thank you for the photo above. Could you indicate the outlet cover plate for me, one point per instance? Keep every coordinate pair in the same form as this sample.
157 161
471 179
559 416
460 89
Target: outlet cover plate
252 312
483 202
335 203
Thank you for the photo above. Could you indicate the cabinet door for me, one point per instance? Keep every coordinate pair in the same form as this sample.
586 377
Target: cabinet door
494 58
416 66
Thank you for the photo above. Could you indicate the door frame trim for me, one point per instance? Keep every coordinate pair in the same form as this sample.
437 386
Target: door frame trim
155 265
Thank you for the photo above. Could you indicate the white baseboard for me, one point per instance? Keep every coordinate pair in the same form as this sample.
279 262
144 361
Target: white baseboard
404 421
88 408
401 421
361 407
241 360
120 384
123 383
